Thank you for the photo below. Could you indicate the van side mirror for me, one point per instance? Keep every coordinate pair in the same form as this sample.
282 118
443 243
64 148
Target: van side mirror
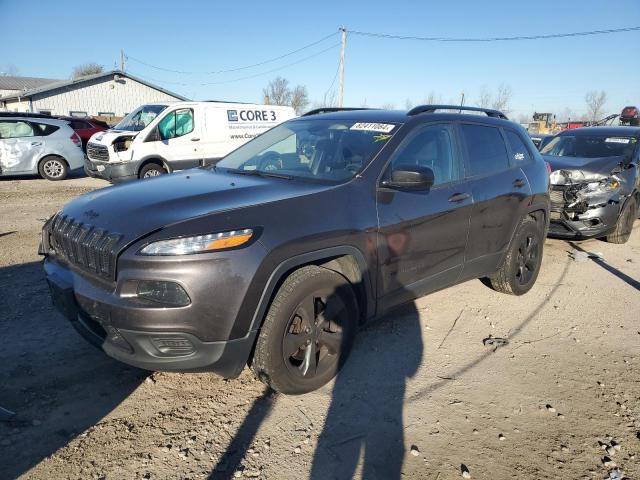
410 177
154 135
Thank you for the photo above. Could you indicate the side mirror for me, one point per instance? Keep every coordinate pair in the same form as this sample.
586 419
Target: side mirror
410 177
154 135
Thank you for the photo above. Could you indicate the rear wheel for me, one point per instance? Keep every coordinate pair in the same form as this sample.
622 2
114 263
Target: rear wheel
152 170
53 168
624 225
308 332
521 265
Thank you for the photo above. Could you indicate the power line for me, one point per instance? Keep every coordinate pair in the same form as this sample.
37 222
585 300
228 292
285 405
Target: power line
235 69
493 39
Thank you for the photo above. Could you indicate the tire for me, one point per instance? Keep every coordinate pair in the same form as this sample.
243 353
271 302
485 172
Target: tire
521 264
152 170
290 345
53 168
624 225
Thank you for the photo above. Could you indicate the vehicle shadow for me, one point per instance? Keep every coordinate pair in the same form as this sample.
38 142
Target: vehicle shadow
614 271
56 383
77 173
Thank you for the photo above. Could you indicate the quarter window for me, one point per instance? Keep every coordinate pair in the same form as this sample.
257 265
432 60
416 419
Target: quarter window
16 129
486 150
519 151
44 129
432 147
176 124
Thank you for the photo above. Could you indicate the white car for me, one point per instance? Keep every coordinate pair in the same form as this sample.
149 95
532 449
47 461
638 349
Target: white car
35 145
163 137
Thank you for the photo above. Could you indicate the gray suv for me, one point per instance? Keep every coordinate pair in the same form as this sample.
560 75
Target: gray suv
275 256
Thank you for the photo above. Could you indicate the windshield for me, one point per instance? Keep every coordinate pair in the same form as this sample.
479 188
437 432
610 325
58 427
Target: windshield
318 149
140 118
590 146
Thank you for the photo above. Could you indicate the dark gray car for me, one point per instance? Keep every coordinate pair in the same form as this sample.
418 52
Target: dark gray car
595 182
275 256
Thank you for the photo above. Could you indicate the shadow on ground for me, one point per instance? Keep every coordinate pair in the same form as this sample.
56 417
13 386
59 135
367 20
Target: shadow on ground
55 382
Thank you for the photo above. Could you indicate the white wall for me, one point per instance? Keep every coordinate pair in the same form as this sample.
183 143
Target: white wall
99 95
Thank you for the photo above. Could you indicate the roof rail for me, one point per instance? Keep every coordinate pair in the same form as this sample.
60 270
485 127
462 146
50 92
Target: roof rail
26 115
317 111
432 108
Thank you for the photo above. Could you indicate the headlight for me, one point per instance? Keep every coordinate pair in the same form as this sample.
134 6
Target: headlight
605 185
566 177
198 243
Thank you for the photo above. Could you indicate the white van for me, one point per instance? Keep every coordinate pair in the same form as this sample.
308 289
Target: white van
163 137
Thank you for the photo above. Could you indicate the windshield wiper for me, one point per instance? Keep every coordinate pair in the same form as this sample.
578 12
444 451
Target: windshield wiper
260 173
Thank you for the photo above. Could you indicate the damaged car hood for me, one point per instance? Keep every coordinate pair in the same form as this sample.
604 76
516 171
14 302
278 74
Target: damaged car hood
591 168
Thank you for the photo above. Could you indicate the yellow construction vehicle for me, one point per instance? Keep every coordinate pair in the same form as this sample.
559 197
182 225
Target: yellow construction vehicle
543 123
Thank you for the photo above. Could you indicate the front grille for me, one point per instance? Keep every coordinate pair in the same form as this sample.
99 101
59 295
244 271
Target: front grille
557 197
88 247
96 151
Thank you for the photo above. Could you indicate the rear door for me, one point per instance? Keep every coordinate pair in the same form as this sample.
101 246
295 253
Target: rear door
423 234
20 146
499 188
179 142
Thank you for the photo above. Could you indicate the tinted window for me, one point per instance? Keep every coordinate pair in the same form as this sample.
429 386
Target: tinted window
486 149
44 129
176 124
431 147
590 146
519 150
16 129
79 124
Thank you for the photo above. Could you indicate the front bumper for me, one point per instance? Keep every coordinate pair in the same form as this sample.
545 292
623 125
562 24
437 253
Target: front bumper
91 312
593 223
113 172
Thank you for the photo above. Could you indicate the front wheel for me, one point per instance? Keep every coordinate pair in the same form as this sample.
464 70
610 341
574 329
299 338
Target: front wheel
521 265
308 331
624 225
53 168
152 170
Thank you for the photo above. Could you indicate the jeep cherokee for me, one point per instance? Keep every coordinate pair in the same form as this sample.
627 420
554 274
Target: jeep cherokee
276 255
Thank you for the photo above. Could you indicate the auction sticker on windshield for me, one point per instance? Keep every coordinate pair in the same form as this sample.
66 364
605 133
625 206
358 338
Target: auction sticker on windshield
617 140
373 127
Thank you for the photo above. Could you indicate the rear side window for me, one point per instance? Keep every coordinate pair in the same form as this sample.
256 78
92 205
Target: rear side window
176 124
431 146
519 151
44 129
486 150
79 125
16 129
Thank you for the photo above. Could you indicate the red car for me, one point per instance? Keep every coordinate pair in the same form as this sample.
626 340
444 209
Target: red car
85 127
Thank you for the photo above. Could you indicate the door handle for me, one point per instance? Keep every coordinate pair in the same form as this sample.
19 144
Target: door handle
195 139
36 144
459 197
518 183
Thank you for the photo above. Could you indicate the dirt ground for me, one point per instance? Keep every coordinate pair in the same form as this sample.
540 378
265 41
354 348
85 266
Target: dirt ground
422 397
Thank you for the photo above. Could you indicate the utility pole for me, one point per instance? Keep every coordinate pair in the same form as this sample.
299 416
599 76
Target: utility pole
122 61
343 29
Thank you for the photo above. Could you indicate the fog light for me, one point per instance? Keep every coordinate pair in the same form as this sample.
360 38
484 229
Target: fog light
167 293
174 346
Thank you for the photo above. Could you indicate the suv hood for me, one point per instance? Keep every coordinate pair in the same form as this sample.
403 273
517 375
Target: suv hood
106 137
591 168
137 208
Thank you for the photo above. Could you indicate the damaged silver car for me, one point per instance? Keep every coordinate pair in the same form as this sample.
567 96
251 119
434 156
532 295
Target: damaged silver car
595 182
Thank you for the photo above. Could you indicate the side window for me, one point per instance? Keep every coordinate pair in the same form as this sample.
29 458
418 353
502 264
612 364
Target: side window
44 129
79 125
16 129
176 124
520 152
432 146
486 150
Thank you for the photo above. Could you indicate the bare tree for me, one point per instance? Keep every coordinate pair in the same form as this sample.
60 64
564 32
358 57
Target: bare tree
567 114
9 69
299 99
278 91
408 104
485 97
502 98
388 106
595 103
85 69
433 99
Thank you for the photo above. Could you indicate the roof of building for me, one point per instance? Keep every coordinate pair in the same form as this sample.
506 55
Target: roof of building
10 82
70 83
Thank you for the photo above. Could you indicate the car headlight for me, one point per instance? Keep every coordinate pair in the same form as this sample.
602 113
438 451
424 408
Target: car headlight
609 184
198 243
565 177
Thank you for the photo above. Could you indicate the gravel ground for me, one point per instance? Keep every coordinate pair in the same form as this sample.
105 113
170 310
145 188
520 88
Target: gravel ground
553 393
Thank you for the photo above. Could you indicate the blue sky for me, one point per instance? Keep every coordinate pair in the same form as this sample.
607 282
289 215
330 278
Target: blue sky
49 38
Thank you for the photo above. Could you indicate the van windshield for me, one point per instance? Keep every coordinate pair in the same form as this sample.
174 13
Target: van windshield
318 149
140 118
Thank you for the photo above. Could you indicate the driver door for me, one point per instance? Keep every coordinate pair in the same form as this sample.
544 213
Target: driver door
179 137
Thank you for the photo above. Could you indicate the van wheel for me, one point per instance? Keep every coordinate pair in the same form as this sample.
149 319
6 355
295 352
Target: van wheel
53 168
521 264
308 331
624 225
152 170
